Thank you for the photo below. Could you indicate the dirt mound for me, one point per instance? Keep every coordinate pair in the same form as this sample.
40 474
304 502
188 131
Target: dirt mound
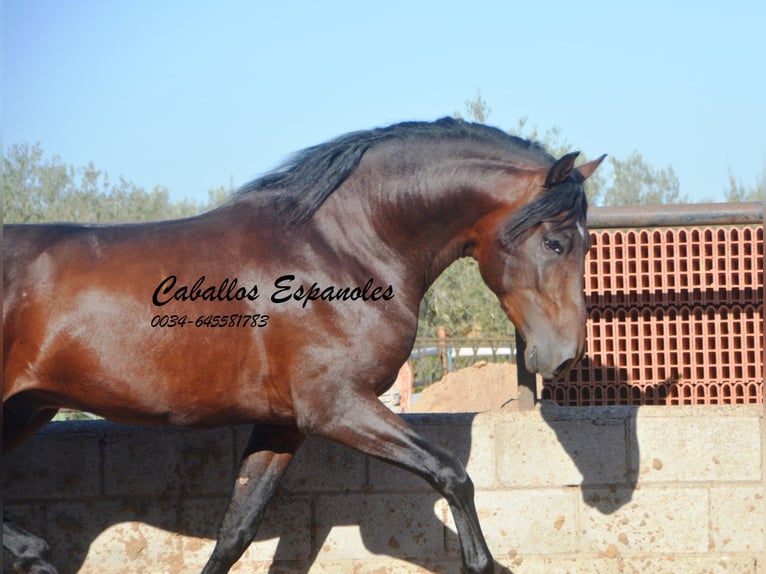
478 388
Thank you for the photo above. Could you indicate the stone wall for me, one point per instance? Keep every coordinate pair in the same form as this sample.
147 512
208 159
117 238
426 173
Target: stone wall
602 490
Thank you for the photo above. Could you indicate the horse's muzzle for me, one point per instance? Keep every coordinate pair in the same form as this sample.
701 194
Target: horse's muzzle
537 362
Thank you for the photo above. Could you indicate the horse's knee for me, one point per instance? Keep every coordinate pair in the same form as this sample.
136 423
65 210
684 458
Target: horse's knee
464 486
453 480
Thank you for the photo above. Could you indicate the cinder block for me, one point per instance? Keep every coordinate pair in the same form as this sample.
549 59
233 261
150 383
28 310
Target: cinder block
482 456
616 522
460 435
387 477
524 522
682 518
678 564
526 564
137 547
737 518
357 526
108 537
374 565
51 466
322 465
284 534
318 465
198 521
534 452
199 517
262 568
694 449
147 461
119 536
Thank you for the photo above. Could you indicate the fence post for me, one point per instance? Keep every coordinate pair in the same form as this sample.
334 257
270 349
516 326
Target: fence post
527 381
441 333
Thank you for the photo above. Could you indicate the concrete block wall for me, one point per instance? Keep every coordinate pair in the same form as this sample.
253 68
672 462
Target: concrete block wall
601 490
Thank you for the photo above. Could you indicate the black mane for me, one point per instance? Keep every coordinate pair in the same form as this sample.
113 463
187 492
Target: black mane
564 204
303 183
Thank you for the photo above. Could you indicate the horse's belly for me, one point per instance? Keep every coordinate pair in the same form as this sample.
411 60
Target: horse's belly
135 376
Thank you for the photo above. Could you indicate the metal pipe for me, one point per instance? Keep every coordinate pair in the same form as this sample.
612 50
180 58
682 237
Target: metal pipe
676 215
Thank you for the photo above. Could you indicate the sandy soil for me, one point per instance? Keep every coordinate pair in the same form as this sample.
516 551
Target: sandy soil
481 387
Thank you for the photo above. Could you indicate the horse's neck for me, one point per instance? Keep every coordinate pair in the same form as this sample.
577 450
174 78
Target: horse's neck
431 216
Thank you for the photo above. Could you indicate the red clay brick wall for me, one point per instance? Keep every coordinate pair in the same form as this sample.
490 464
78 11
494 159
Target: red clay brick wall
675 317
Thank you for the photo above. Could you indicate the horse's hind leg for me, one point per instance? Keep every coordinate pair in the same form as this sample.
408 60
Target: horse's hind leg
264 462
26 553
370 427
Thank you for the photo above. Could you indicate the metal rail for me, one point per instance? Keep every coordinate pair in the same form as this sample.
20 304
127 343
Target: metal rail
677 215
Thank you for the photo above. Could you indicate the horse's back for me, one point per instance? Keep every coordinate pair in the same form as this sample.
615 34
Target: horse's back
23 244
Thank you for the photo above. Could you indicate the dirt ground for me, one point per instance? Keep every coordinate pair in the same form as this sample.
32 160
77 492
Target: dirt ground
481 387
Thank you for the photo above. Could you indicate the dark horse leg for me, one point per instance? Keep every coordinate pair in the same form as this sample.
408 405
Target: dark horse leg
367 425
264 462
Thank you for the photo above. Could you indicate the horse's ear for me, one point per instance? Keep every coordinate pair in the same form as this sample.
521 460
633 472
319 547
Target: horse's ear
560 170
587 169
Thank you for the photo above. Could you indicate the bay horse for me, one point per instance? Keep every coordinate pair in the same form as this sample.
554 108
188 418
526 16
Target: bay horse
292 305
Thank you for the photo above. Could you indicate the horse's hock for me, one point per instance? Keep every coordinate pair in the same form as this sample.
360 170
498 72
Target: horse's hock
590 490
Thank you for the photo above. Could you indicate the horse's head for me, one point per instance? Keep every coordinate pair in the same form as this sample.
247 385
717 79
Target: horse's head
534 261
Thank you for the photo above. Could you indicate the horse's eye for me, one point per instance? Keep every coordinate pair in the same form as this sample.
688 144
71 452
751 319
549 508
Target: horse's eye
554 245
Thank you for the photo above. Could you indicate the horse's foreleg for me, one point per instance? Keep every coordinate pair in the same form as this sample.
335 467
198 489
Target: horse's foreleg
265 460
27 553
370 427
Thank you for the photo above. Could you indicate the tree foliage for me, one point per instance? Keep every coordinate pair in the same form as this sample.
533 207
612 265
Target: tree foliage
460 301
634 182
37 188
738 191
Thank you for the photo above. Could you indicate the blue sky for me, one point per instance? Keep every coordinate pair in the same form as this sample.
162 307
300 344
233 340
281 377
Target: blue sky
192 95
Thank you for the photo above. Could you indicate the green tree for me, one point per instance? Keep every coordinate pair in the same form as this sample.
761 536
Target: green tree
476 109
738 191
32 184
460 301
37 188
634 182
218 195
